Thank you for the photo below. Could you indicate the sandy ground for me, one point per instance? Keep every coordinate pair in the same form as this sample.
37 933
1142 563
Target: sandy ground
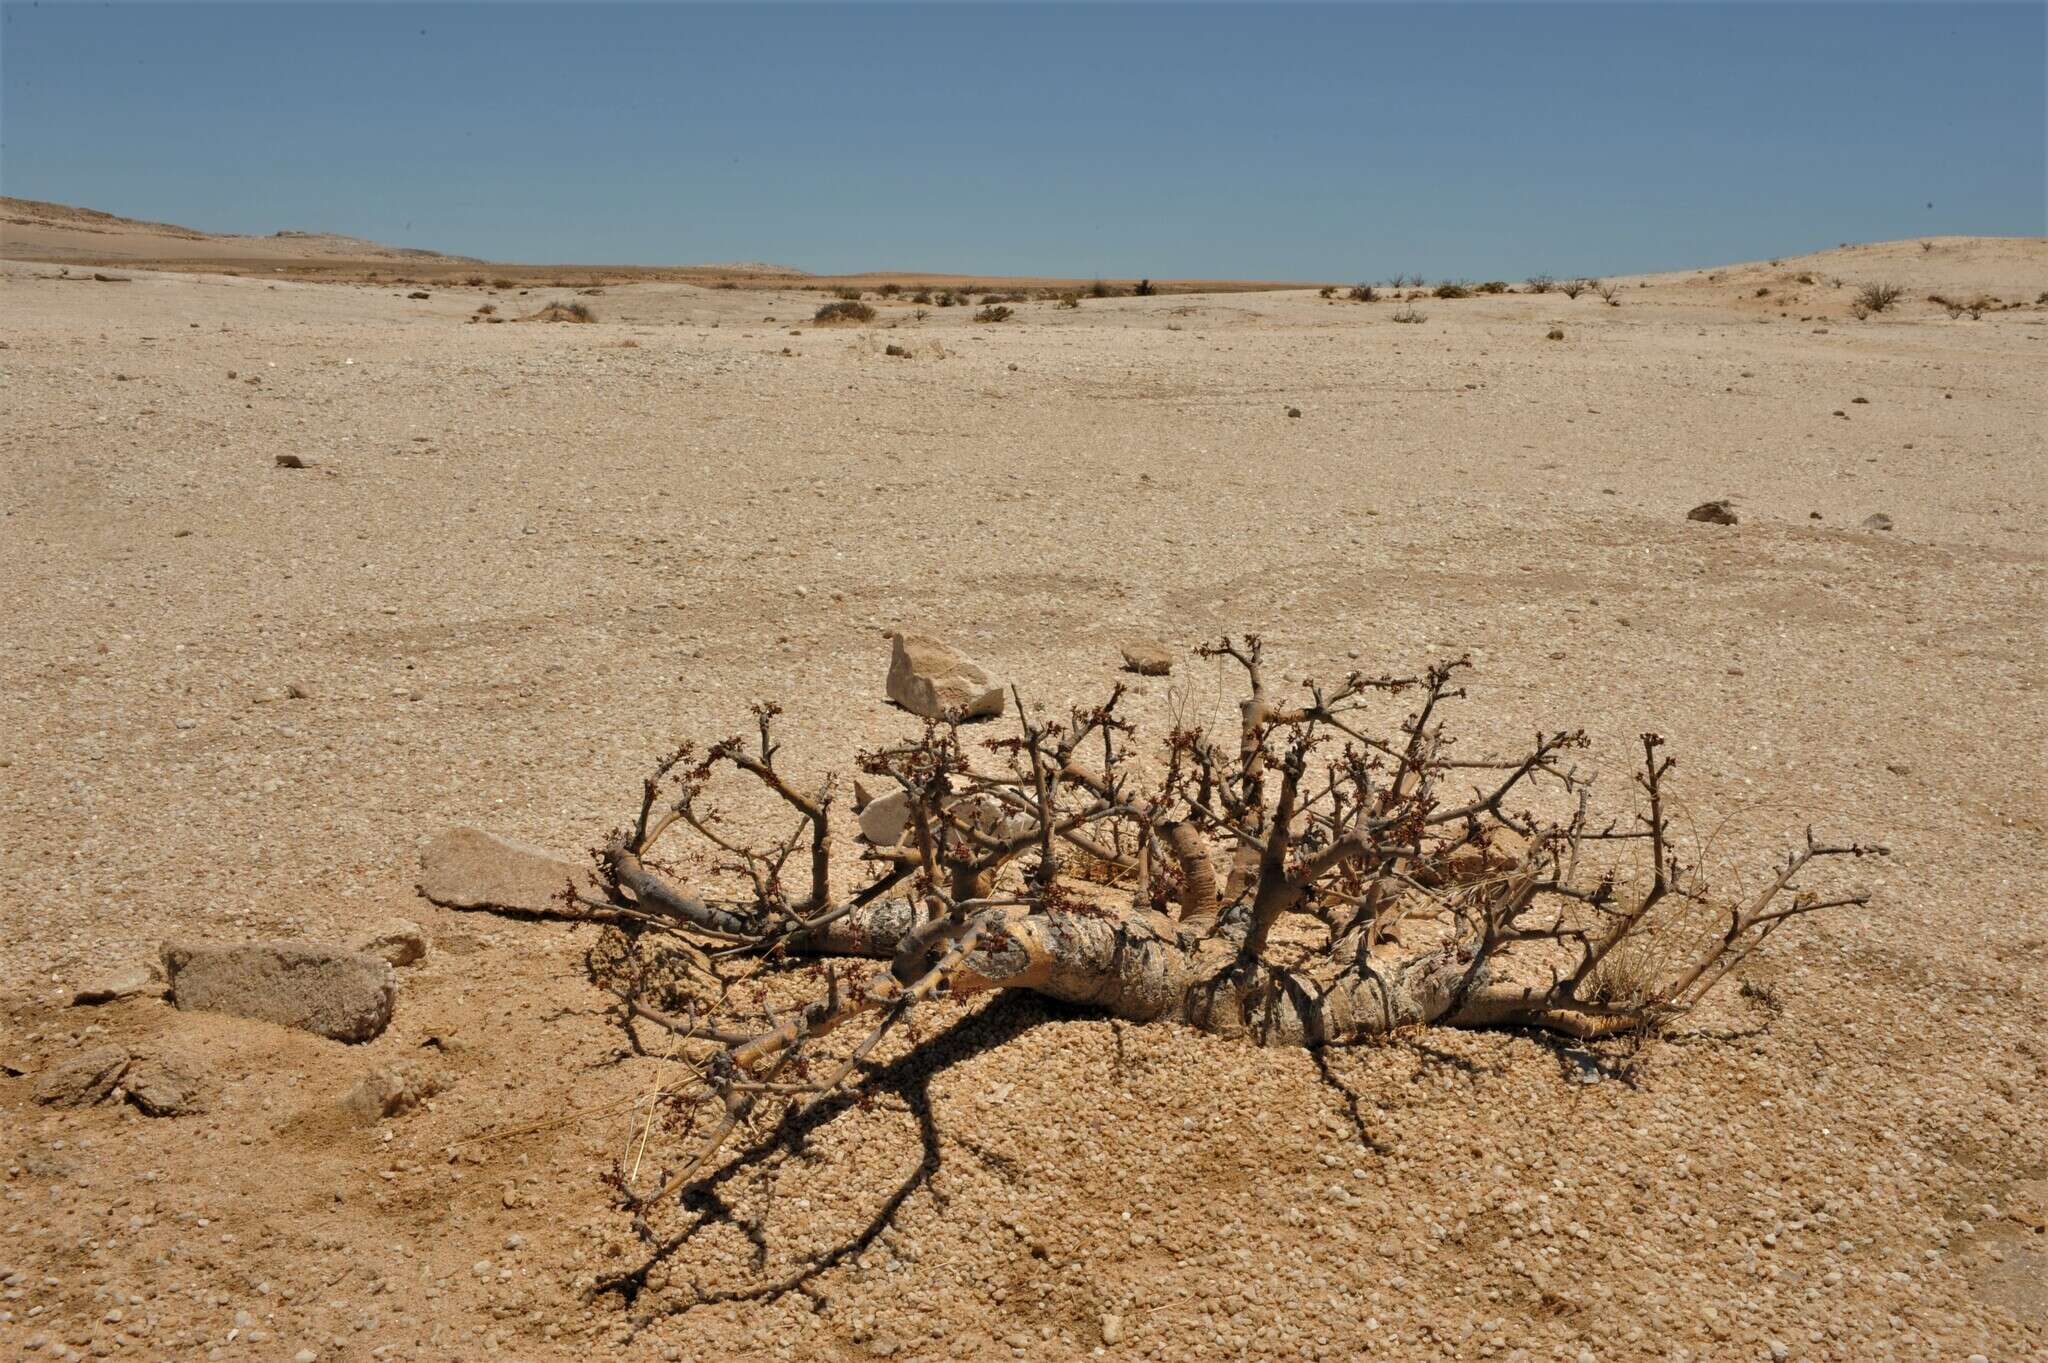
527 557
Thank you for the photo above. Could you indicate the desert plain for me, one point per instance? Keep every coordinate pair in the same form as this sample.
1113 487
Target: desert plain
520 560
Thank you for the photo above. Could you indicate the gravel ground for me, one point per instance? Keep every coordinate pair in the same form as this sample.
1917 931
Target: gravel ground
525 558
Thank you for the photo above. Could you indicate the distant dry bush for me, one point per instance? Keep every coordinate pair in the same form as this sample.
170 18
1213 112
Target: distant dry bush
503 283
1572 288
1070 300
487 309
1363 293
1101 290
922 296
1410 315
1451 289
889 290
474 281
1142 289
994 312
1493 286
845 310
1878 297
1327 291
1541 283
563 312
851 295
1610 294
947 298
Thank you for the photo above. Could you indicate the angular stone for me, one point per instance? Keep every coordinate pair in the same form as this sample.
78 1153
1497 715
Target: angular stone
123 983
1713 513
467 868
936 680
87 1078
393 1091
165 1087
1877 520
397 940
327 990
1147 657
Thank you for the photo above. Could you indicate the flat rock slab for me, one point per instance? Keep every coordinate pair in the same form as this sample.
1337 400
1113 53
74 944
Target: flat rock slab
87 1078
327 990
932 678
467 868
1147 657
125 983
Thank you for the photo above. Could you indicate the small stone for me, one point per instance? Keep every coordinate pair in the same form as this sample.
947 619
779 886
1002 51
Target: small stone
399 941
305 1356
327 990
393 1091
1555 334
1147 657
1779 1351
85 1079
1112 1327
162 1086
1877 520
1294 411
1713 513
931 678
123 983
291 461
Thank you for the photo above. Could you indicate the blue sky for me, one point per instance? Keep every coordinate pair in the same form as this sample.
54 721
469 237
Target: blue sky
1244 141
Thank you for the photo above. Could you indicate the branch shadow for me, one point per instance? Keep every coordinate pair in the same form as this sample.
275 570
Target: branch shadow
908 1077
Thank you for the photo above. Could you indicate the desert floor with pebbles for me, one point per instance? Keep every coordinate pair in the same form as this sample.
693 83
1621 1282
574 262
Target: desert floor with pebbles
520 560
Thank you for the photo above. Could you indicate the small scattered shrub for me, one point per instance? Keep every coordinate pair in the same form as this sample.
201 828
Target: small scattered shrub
1804 277
1100 290
1327 291
503 283
1494 286
1363 293
474 281
1555 334
947 298
994 312
487 309
922 296
1927 246
1070 300
845 310
846 293
1878 297
1410 315
889 290
1142 289
1541 283
564 312
1572 288
1610 294
1448 289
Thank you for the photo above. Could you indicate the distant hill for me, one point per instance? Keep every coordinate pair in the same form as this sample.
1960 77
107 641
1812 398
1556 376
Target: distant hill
31 229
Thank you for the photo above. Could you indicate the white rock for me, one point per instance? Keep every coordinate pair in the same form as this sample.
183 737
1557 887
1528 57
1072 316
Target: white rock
931 678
